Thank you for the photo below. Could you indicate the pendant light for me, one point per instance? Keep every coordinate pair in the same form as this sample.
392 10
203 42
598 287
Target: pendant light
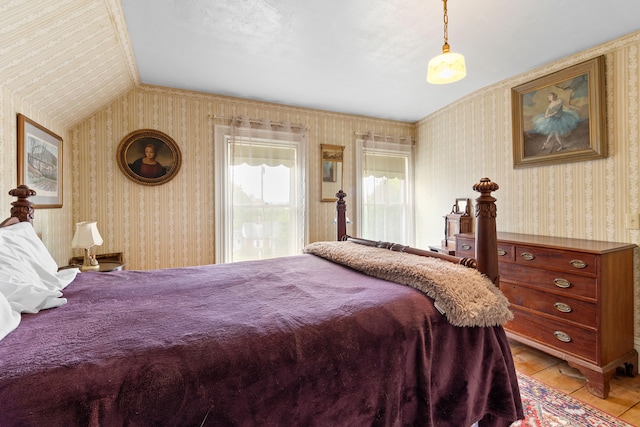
447 67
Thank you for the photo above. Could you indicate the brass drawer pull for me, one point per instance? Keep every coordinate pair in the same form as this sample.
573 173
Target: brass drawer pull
562 336
465 246
562 283
502 252
562 307
578 263
527 255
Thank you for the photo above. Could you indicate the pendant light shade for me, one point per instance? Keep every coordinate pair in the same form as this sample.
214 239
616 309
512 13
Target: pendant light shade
447 67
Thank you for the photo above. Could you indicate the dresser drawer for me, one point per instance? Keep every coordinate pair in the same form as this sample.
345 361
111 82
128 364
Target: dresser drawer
553 333
465 247
506 252
575 311
563 260
571 284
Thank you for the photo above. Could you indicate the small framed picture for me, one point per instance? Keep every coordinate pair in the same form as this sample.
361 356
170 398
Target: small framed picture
149 157
331 168
40 163
561 117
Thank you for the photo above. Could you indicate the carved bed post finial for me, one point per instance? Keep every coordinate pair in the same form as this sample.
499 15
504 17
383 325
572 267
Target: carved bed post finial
341 207
487 256
22 208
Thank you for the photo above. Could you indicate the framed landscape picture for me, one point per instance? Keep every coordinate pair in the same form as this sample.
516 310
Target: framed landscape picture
40 163
560 117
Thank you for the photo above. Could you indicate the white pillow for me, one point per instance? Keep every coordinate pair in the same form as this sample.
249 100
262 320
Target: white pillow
9 318
29 277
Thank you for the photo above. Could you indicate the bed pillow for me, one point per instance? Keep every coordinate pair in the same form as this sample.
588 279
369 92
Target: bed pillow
29 277
9 318
24 256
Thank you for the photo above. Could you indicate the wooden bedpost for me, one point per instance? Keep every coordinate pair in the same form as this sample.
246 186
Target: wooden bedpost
486 235
341 207
22 208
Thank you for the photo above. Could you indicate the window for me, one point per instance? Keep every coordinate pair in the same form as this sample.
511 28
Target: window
261 186
385 203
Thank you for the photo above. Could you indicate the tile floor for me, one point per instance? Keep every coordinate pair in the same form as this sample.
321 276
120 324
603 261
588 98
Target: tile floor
624 396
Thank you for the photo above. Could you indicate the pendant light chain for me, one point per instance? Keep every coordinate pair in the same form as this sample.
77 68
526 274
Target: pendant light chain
446 23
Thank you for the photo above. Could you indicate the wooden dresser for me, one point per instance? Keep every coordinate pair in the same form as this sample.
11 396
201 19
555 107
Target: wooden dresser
570 298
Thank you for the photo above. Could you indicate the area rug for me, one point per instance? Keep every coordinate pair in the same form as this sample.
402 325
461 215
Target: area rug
547 407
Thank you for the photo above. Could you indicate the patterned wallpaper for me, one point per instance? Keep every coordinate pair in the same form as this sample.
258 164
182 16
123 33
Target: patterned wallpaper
67 57
68 65
173 224
473 138
62 60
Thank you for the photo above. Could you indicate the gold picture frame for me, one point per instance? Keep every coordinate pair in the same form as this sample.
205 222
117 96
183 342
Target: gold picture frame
331 170
40 163
163 158
561 117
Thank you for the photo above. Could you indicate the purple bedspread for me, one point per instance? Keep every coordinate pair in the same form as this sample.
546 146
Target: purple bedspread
295 341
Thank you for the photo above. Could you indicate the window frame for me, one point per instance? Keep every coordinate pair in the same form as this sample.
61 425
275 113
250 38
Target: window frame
223 215
380 147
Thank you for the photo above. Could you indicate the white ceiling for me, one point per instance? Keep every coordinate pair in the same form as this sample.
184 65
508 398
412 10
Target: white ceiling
365 57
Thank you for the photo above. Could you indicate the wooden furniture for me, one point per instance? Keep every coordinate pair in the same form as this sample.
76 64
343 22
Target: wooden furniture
22 208
103 266
107 262
252 343
447 250
486 260
111 257
456 222
111 266
570 298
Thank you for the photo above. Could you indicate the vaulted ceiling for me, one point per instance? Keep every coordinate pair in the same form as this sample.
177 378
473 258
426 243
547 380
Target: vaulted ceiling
365 57
66 58
368 57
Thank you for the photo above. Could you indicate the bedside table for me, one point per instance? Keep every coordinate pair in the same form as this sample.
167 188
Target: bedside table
104 266
111 266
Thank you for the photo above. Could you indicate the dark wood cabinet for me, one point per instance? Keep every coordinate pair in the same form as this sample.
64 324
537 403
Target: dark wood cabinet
571 298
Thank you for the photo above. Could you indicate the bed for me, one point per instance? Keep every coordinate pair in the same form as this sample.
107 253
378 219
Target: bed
330 337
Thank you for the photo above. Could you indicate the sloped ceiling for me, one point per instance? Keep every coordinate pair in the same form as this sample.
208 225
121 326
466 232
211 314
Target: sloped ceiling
366 57
67 58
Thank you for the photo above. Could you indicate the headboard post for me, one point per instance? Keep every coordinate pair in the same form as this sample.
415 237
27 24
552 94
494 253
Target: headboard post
341 207
486 235
22 208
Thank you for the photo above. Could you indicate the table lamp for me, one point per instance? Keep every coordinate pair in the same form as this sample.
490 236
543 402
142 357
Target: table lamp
86 237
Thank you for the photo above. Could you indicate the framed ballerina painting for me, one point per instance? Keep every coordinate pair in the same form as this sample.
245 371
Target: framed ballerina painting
560 117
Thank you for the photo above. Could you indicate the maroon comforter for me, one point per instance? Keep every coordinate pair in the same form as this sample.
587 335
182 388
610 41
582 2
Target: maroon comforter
290 341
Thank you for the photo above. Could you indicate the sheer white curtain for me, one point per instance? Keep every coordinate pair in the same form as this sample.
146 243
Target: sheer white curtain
261 190
385 188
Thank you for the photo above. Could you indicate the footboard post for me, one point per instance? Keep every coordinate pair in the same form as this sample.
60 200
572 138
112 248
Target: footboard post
341 208
486 235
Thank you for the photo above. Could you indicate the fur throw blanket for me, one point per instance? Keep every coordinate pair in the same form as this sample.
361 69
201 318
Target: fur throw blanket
464 295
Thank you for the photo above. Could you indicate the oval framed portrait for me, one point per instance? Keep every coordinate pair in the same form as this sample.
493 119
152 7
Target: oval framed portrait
149 157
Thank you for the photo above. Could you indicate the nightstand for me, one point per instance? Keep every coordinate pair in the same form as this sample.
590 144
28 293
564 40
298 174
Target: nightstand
112 257
104 266
111 266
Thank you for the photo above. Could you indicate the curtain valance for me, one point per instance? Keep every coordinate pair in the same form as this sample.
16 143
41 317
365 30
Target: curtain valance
252 142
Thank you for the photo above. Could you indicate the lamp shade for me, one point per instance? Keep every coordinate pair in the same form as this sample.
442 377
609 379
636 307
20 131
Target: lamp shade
87 235
447 67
